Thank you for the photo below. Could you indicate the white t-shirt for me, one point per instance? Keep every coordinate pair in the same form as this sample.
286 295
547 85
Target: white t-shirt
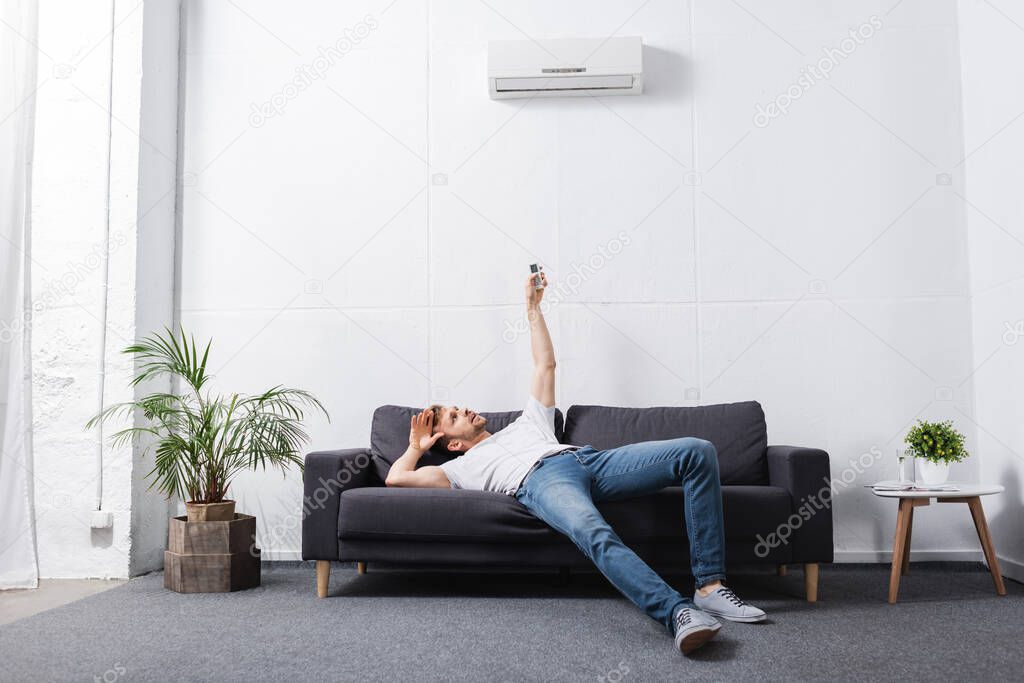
499 462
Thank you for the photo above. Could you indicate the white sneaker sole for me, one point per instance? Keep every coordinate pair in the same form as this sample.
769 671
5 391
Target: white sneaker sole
730 617
697 637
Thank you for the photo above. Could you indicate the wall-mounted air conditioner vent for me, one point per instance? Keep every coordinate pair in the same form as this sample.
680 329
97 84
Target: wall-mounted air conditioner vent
561 67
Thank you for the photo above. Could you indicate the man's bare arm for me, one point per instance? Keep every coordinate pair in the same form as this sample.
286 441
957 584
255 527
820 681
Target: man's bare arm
543 384
429 477
421 438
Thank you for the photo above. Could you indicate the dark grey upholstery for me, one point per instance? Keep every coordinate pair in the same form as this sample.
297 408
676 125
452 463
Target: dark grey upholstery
737 429
804 472
486 516
350 515
671 557
324 480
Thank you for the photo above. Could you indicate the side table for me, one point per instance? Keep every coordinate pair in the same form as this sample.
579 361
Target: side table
968 493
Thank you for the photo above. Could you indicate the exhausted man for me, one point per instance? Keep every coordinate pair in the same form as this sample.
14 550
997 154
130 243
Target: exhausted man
560 483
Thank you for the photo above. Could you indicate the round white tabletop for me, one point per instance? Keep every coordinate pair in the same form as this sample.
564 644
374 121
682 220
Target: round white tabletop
965 491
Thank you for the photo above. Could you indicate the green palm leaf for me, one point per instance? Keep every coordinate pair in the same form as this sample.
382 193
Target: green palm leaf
201 441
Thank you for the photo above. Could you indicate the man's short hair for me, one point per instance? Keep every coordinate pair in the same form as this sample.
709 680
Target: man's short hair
438 411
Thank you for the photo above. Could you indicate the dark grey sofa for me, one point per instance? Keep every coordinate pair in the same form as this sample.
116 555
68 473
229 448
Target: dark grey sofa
776 499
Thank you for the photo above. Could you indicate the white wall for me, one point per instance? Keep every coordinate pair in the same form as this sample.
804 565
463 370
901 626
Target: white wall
69 197
368 241
992 55
89 165
156 204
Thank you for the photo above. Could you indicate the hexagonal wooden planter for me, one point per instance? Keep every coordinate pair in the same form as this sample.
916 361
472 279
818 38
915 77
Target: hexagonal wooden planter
211 557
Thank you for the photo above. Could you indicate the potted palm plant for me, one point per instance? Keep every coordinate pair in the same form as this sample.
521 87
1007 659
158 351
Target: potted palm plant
936 445
202 440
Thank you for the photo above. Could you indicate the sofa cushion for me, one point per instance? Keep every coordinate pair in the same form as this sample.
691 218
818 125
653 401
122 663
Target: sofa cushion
389 435
737 430
402 514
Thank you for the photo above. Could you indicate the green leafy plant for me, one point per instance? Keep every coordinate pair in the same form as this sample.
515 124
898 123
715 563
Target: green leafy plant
202 440
938 442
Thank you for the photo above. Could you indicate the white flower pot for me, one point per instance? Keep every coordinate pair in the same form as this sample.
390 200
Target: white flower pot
932 473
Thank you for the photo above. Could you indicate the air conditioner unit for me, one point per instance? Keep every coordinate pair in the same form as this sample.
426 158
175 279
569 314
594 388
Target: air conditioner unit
561 67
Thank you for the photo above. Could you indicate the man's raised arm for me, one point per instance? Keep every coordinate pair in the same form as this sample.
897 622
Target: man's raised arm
543 384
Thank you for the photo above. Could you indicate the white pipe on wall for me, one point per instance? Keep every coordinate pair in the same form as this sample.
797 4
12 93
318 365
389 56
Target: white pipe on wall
101 373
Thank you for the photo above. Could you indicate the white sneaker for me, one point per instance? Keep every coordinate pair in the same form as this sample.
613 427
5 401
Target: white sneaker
722 602
693 628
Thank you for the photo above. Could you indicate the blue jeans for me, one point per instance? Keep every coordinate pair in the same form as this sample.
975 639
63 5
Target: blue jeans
562 490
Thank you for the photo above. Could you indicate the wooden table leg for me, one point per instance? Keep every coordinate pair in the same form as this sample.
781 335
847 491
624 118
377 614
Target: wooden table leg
323 578
811 581
899 546
974 503
906 549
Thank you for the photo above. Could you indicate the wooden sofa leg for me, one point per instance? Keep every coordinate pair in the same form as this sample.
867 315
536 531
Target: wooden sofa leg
781 569
811 581
361 567
323 577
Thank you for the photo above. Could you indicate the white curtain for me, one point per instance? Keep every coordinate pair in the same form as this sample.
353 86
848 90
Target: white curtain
18 568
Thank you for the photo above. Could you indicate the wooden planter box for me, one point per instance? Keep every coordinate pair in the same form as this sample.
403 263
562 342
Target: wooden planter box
211 557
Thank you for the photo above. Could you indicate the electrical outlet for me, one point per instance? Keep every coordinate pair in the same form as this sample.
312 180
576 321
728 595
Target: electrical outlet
102 519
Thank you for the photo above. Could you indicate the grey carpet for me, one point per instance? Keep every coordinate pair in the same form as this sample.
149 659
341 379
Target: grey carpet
436 625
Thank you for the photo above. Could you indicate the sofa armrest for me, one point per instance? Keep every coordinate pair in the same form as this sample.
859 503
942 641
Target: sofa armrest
326 476
805 473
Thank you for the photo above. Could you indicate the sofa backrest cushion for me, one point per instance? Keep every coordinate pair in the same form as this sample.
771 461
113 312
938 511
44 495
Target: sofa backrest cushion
389 435
737 430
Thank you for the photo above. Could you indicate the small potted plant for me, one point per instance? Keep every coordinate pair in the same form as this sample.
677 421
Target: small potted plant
202 440
936 445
